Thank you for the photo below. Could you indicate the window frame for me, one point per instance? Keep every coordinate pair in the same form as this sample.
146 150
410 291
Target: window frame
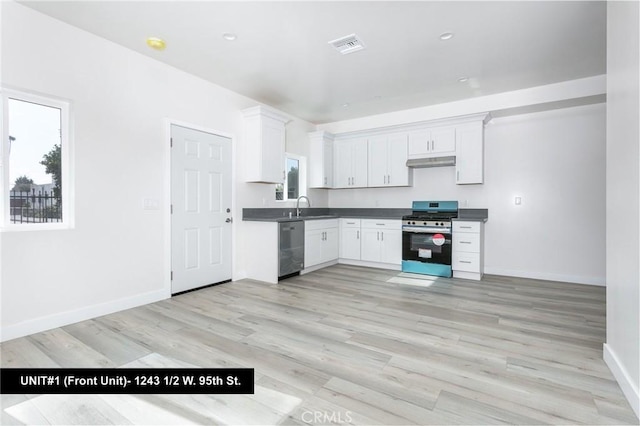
66 150
302 177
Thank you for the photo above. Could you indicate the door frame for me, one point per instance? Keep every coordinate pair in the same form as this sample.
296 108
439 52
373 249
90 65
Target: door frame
166 186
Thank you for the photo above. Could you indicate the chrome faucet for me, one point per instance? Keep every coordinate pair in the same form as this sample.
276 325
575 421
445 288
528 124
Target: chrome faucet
298 204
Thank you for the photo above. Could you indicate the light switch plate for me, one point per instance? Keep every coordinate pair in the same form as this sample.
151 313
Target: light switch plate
151 204
518 201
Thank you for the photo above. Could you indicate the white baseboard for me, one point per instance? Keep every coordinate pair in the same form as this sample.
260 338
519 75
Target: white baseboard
319 266
391 266
61 319
629 389
576 279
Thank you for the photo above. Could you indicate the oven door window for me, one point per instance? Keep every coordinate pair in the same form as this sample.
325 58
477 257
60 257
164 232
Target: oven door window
427 247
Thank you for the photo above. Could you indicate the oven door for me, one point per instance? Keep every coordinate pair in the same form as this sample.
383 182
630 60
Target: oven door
426 250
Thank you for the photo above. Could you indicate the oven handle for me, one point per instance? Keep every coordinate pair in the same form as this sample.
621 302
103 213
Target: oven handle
422 230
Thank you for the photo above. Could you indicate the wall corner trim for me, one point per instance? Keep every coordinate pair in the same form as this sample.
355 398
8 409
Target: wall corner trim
621 375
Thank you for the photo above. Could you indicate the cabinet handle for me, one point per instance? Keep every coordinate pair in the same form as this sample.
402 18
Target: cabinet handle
284 175
382 237
465 227
433 145
357 235
379 224
388 178
378 236
465 261
325 180
458 175
465 242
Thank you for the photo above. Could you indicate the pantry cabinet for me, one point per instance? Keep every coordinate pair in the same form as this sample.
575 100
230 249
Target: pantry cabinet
387 160
350 160
264 132
320 160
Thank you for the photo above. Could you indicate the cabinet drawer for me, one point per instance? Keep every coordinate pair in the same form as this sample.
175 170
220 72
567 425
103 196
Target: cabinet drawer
466 242
381 224
461 226
469 262
350 223
310 225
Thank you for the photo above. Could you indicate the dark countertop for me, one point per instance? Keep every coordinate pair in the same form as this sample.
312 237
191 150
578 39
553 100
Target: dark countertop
319 213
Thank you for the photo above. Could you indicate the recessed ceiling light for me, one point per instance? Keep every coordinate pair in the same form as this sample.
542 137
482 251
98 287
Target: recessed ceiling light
463 79
344 105
446 36
156 43
229 36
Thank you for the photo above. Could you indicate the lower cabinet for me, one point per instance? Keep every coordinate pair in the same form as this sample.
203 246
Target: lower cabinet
467 252
381 241
320 242
350 239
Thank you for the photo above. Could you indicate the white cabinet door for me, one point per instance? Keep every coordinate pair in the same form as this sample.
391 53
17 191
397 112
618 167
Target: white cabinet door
351 163
320 160
469 154
391 247
419 143
433 142
397 170
370 245
388 160
343 155
265 140
350 243
378 159
443 140
359 160
330 245
313 247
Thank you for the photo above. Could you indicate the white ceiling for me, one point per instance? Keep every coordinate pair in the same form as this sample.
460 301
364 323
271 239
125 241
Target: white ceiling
282 57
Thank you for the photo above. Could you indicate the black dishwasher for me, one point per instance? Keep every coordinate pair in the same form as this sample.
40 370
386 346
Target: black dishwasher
291 248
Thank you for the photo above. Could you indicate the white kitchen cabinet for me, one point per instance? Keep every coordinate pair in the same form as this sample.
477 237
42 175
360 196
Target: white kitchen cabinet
432 142
381 241
470 153
320 160
350 162
387 160
320 242
264 132
350 239
468 249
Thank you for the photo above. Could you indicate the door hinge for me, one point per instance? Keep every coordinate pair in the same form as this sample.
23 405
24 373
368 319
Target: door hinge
171 142
171 208
171 275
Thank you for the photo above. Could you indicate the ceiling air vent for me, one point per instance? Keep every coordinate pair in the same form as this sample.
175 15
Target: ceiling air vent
347 44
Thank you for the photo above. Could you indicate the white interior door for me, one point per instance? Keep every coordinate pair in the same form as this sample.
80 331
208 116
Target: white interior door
201 208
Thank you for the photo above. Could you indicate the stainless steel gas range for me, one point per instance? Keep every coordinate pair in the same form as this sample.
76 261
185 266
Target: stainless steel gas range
426 238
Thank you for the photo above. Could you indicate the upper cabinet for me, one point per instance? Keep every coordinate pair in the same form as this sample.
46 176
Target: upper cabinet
321 160
432 142
350 161
379 157
264 132
387 164
470 153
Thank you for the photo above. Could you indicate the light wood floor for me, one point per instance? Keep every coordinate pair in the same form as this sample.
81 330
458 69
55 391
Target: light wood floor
344 345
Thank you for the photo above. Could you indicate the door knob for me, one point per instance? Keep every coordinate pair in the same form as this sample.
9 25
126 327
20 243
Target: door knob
229 220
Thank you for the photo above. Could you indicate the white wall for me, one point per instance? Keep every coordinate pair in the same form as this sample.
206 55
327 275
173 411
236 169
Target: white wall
622 350
114 257
555 161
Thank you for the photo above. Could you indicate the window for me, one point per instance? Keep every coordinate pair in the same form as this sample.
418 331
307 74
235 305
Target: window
34 154
295 183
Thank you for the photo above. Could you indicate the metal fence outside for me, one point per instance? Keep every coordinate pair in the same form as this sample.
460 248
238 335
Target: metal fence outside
32 207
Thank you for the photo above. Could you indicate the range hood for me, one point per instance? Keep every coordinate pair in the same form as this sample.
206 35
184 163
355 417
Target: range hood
419 163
